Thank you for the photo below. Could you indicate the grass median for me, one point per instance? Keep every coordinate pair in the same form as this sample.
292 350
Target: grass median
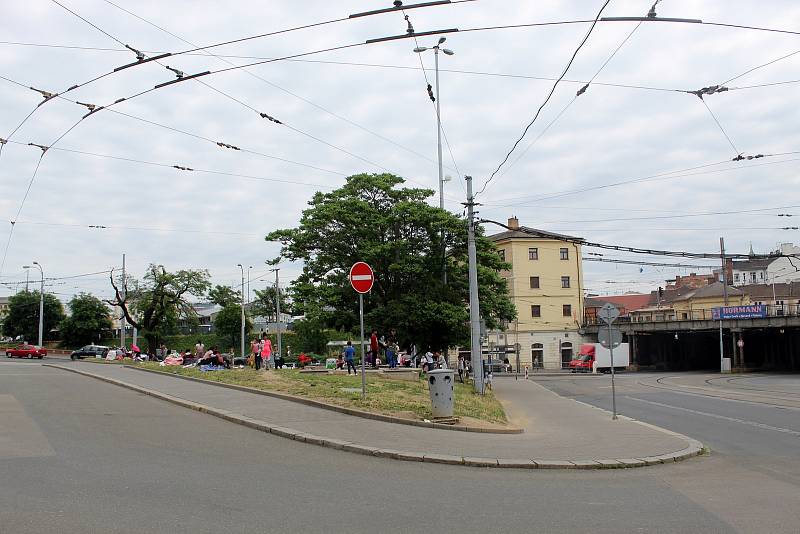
385 394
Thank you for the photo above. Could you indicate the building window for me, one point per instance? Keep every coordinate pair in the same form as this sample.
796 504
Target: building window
564 253
567 310
565 282
502 253
534 282
753 277
736 277
537 354
536 310
533 253
761 275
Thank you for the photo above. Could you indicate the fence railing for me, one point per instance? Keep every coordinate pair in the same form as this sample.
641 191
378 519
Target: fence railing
704 314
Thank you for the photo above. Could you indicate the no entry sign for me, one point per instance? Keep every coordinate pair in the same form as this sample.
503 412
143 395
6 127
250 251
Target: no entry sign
361 277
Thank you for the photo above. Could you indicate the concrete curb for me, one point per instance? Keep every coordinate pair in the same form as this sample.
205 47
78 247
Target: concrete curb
504 463
335 408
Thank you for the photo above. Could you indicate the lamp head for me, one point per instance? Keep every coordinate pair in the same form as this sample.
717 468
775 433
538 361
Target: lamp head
442 39
36 263
26 266
420 49
448 52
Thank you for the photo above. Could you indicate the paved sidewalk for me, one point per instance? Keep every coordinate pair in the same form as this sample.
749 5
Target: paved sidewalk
559 432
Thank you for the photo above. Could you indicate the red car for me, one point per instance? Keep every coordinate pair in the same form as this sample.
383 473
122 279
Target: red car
26 351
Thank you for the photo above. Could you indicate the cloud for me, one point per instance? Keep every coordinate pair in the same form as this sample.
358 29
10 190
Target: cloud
197 220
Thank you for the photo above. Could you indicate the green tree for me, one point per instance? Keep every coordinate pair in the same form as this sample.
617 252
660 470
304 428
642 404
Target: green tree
228 325
88 317
311 335
22 318
264 303
401 236
154 304
224 296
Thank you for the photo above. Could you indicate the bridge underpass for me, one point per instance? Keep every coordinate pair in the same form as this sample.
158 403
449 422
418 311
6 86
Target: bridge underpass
769 344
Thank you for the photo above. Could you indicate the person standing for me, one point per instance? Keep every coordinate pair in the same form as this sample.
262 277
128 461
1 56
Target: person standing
199 350
349 357
373 347
461 367
256 348
266 353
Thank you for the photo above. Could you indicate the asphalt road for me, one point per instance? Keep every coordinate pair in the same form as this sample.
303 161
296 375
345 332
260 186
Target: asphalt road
79 455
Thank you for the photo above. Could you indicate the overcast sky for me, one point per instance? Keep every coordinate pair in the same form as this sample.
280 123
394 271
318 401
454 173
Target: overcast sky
342 119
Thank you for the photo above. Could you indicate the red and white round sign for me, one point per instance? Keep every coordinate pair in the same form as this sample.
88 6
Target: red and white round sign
361 277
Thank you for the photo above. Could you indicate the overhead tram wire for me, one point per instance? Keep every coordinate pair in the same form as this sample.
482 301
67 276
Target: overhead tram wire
660 176
546 100
748 71
406 67
580 92
236 148
441 122
195 77
179 167
223 93
276 86
649 252
143 60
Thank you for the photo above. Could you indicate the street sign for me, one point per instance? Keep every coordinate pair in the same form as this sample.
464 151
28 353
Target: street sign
608 313
609 337
361 277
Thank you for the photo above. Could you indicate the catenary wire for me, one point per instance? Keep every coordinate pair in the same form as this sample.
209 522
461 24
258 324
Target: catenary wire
546 100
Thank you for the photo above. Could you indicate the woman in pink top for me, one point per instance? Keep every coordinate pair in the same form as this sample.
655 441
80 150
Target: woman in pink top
266 353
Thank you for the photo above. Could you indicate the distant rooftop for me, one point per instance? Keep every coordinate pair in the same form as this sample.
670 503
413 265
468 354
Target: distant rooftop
525 232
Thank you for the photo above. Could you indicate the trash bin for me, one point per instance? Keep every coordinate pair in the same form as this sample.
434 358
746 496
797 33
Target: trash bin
440 384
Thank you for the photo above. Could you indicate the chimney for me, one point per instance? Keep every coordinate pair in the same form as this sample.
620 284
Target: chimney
513 223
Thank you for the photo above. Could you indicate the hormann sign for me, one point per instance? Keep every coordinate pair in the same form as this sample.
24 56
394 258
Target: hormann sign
755 311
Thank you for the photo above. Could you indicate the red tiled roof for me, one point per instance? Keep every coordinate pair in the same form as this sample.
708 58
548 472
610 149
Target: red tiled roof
626 303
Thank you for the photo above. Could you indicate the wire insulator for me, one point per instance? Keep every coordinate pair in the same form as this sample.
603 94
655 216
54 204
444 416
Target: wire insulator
270 118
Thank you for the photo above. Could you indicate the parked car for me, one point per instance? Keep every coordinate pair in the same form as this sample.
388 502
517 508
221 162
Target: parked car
26 351
89 351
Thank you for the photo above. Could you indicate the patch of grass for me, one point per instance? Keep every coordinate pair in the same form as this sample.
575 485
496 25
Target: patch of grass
385 395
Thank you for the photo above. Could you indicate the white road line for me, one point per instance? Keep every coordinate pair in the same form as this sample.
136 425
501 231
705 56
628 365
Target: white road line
723 417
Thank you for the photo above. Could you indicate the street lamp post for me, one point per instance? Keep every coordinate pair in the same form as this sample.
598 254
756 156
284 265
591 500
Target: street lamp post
41 305
242 307
419 50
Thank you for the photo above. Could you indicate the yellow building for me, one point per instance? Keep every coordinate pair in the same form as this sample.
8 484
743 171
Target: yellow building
546 285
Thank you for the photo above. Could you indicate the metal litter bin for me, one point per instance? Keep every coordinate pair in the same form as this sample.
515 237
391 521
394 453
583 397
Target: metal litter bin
440 384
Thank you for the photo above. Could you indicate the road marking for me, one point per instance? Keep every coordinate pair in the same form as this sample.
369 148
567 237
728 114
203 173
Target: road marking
723 417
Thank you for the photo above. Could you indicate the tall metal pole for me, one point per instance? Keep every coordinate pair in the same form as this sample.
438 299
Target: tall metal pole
241 299
27 279
122 319
613 387
724 279
363 358
278 311
41 305
474 306
439 152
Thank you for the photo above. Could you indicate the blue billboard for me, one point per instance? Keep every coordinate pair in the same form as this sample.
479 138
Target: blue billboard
753 311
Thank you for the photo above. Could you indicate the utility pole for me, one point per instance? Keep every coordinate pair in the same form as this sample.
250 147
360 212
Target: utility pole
122 319
474 309
241 299
278 309
27 279
724 279
41 305
448 52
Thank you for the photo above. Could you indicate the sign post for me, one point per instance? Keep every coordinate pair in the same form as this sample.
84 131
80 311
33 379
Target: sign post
362 278
608 314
